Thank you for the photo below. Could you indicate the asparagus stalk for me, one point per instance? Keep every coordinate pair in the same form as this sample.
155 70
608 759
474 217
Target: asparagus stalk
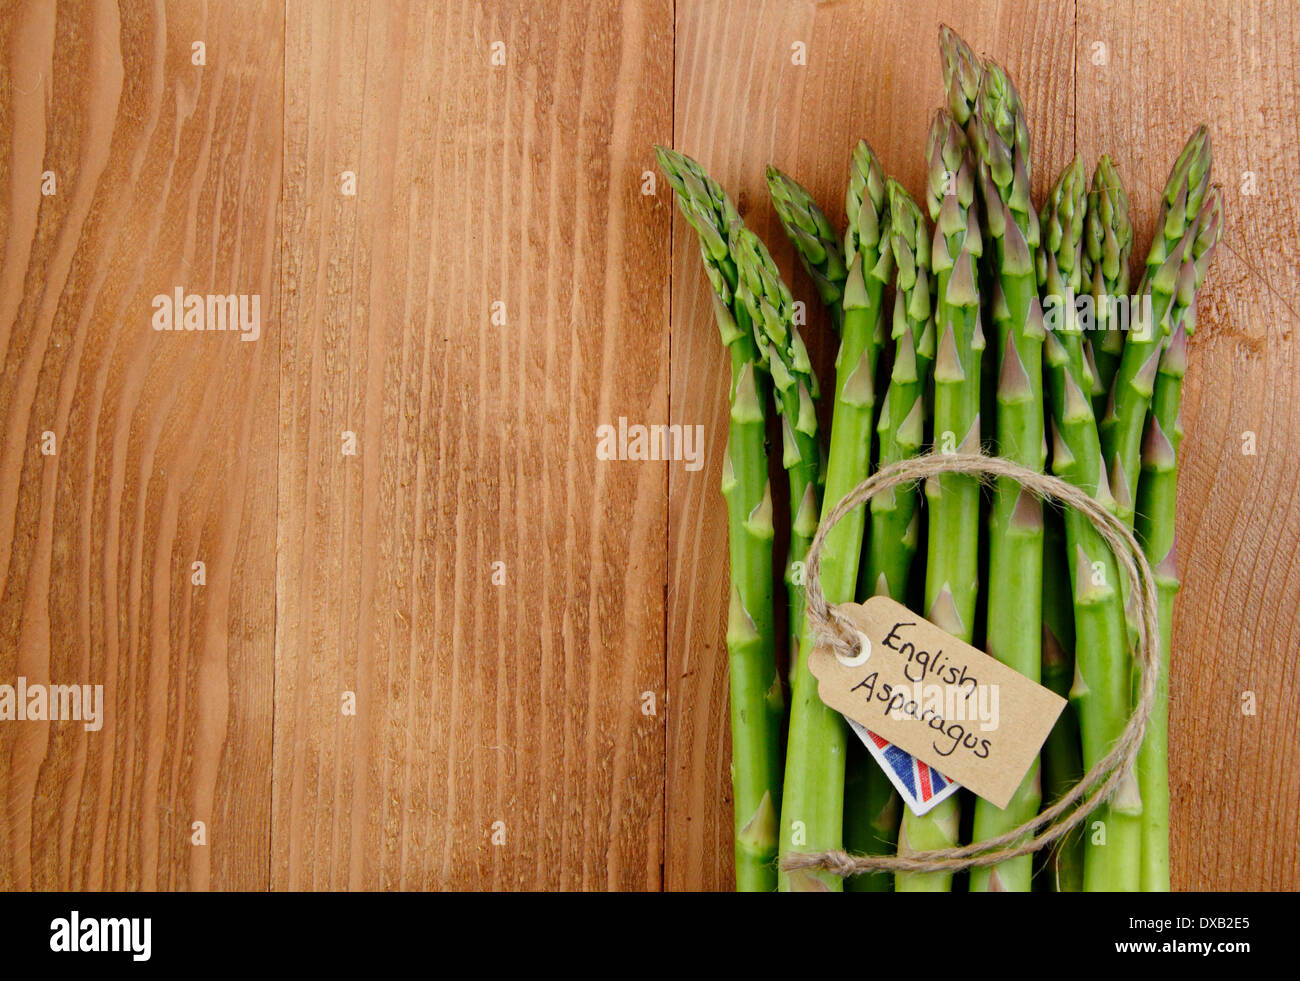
954 499
1157 497
756 708
872 806
895 516
821 253
1062 756
1001 142
1108 242
1125 419
815 759
769 305
962 72
1174 244
872 809
1101 689
814 239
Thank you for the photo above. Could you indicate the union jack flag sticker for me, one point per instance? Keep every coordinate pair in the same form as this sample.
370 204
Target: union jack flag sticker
919 784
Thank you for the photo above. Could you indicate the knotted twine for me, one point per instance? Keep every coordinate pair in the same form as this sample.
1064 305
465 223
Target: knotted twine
1099 784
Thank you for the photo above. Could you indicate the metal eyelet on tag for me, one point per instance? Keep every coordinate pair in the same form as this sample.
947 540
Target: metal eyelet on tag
860 658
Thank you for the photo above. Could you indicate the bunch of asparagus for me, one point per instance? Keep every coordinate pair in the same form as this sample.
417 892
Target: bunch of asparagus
1075 365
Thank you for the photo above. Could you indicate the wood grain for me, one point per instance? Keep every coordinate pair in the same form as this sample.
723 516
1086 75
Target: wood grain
166 174
740 104
514 708
1235 778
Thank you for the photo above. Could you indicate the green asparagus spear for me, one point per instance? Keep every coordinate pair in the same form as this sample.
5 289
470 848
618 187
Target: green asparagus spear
954 499
756 708
1001 142
814 777
1108 242
1157 494
1101 690
1130 397
768 302
815 241
821 253
962 72
1062 756
872 806
895 516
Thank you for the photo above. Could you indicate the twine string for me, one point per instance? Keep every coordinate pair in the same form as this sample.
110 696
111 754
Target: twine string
836 631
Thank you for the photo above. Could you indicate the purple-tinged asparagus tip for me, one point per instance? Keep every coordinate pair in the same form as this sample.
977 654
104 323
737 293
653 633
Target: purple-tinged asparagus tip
1119 487
1157 452
1013 381
1174 360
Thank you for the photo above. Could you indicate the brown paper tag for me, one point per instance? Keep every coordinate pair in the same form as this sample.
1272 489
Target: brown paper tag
967 715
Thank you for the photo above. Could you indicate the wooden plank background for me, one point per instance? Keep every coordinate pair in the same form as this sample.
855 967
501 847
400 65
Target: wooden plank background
513 707
1234 778
567 728
165 174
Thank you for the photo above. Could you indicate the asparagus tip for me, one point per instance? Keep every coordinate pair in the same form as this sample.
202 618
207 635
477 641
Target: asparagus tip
962 72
